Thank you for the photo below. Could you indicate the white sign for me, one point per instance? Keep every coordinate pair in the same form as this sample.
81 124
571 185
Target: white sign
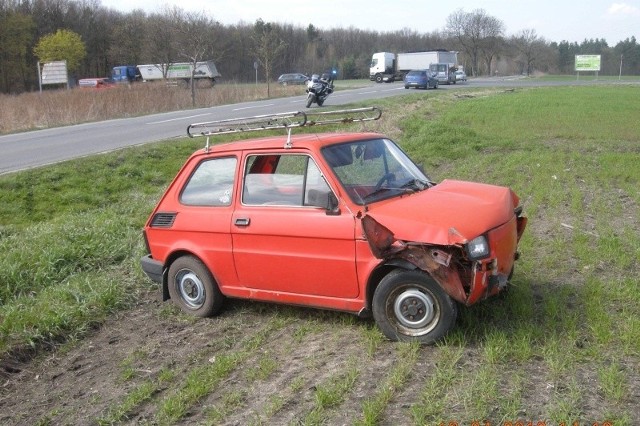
55 73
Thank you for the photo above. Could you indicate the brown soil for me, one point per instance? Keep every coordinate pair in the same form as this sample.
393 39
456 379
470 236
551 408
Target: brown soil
80 382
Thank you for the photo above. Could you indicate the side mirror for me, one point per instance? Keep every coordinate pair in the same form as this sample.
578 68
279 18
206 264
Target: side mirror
325 199
333 207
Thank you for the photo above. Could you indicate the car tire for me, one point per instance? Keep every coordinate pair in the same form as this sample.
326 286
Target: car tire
436 86
411 306
406 87
192 287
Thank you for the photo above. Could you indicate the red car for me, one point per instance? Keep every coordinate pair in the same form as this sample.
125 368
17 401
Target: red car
342 221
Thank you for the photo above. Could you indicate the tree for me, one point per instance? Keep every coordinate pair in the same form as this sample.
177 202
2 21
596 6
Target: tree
628 51
128 34
16 34
267 46
527 44
479 35
196 34
161 40
63 45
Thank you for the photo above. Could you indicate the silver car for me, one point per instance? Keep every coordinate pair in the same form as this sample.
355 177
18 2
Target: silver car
461 76
293 78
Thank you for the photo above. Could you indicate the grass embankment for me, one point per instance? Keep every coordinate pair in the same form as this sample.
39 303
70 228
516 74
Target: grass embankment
562 345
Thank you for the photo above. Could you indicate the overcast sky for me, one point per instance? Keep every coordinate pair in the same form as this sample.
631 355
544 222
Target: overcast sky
555 20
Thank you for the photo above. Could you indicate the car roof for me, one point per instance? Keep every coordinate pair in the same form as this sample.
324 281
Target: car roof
309 141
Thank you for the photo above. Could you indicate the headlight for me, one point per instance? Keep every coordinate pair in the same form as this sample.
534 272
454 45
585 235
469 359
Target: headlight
478 248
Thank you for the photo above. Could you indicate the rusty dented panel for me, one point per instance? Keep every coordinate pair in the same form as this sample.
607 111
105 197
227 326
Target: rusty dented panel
436 261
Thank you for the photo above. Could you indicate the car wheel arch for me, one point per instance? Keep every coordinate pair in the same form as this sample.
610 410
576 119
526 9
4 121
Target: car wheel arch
391 266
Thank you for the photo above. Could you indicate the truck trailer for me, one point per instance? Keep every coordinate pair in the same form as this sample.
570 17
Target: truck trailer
388 67
205 72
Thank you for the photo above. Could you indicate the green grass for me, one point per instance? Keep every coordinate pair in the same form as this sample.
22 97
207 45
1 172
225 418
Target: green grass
563 343
586 76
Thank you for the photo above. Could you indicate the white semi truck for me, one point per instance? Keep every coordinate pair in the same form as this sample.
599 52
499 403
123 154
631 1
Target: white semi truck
386 66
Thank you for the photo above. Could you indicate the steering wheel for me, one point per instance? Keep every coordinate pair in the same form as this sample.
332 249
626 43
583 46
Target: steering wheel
383 179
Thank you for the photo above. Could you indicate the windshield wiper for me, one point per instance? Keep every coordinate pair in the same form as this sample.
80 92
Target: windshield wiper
415 185
378 191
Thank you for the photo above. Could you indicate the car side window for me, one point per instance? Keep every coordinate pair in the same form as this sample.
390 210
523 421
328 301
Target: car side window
284 180
211 184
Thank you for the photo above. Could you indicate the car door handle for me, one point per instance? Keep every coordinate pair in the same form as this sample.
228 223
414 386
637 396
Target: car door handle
242 221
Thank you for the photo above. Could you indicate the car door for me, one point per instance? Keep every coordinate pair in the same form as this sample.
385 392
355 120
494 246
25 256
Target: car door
284 237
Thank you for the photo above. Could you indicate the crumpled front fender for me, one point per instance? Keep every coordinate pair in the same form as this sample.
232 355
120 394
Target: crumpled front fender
436 261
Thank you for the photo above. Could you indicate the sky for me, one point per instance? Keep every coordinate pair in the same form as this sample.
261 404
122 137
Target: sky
554 20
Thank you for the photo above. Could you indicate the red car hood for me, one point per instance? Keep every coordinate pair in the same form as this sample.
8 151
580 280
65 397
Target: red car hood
452 212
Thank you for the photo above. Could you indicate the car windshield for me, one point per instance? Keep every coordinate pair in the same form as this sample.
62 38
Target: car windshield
374 170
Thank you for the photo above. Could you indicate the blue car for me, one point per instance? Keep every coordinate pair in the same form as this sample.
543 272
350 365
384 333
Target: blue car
420 78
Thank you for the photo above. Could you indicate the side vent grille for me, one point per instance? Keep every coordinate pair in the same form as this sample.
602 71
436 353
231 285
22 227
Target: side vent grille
163 220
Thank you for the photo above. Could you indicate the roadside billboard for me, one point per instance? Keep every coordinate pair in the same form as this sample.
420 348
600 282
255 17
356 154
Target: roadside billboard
53 73
587 63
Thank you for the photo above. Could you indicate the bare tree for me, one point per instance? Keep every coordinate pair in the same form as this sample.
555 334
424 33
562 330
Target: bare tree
479 35
197 36
528 45
267 46
161 40
128 33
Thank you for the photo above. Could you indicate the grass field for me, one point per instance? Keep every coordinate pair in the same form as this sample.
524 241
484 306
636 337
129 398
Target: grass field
562 345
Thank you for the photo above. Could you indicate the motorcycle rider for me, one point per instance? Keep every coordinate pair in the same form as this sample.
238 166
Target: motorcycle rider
322 86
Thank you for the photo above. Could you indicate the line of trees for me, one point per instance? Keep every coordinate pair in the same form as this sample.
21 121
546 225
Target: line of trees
171 35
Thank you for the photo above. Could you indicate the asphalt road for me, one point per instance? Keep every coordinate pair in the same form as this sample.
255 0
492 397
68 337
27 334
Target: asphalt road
37 148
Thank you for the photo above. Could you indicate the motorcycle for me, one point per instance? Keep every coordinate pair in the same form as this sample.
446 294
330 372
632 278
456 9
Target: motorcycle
318 89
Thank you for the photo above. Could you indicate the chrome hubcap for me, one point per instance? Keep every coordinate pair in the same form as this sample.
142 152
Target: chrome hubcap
190 289
414 309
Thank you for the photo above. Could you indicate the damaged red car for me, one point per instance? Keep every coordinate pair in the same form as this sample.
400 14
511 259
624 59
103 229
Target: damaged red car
341 221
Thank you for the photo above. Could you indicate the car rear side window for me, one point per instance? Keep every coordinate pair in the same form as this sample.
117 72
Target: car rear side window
211 183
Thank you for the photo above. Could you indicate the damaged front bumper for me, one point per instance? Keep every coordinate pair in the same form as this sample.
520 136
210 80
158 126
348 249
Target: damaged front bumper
463 278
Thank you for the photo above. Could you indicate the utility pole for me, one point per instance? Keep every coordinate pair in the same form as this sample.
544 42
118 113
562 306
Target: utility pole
620 75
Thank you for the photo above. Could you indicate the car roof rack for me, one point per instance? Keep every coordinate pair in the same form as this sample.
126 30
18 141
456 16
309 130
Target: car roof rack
287 120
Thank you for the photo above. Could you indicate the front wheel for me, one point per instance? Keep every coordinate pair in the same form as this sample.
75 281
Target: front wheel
192 287
411 306
310 99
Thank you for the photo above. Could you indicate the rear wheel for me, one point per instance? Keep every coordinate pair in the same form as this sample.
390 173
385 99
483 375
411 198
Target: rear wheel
411 306
192 287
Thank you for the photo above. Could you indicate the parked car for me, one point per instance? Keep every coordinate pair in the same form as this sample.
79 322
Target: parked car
96 83
340 221
461 76
420 78
295 78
